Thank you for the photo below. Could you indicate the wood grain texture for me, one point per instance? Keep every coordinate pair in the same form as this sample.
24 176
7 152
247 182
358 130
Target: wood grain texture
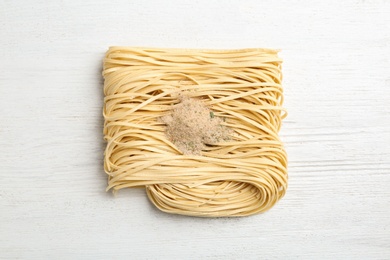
337 134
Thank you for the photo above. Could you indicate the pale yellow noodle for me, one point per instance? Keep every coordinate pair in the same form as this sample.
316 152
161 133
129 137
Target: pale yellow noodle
239 177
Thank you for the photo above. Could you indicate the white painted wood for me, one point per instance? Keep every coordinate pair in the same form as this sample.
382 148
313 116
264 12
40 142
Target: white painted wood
337 90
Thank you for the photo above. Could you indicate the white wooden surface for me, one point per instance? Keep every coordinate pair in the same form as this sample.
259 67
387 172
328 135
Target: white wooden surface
337 89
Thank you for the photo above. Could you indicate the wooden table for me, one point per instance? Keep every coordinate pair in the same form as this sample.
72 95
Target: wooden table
53 203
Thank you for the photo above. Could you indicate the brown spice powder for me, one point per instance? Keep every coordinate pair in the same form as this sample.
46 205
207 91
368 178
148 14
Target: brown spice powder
192 126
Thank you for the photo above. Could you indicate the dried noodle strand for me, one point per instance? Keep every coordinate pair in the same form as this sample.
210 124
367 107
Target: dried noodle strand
239 177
